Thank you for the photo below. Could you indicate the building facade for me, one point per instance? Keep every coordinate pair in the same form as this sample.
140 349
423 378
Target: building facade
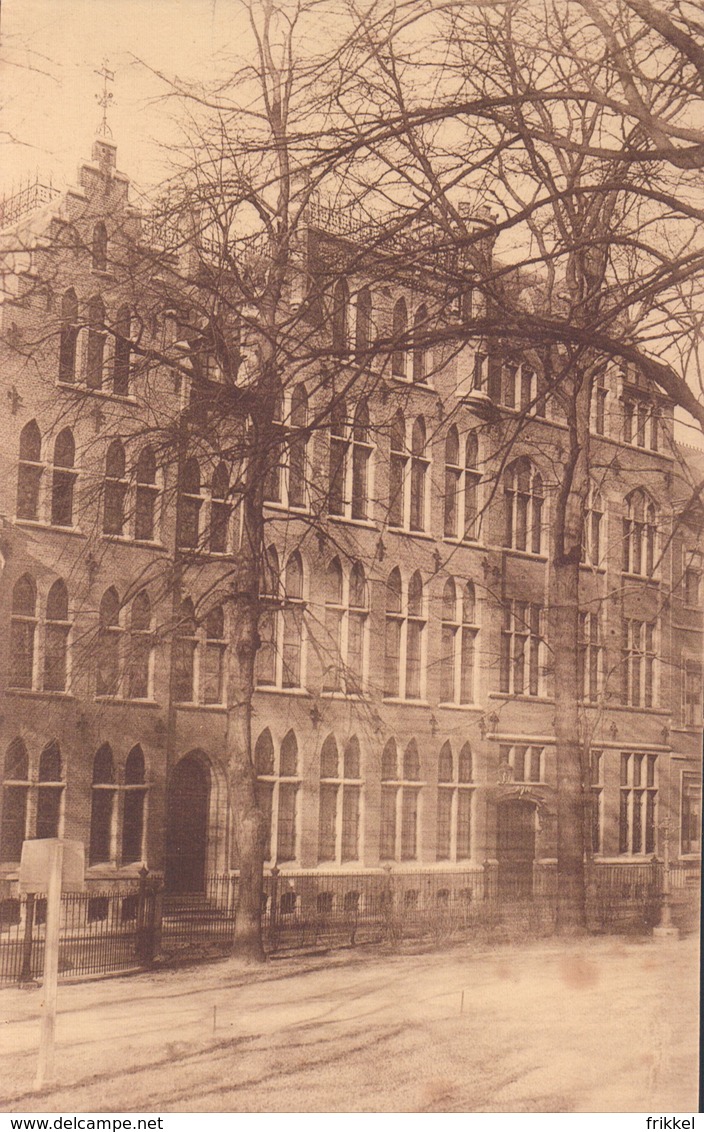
403 715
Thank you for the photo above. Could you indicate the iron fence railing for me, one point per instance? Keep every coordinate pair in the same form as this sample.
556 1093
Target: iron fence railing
103 931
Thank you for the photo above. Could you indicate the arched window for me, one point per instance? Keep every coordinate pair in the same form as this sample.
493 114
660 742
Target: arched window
400 794
109 633
268 651
340 317
357 615
29 472
15 794
275 446
415 628
69 336
453 481
471 488
140 656
214 659
102 808
363 327
337 472
146 496
286 826
297 448
340 792
123 352
264 765
419 469
56 635
458 635
361 452
190 503
523 501
334 617
185 646
63 479
219 510
394 627
397 471
114 490
399 345
293 622
420 330
639 534
593 515
95 348
49 791
23 633
135 793
454 814
100 247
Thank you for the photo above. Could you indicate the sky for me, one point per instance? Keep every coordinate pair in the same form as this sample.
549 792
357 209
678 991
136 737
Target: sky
49 52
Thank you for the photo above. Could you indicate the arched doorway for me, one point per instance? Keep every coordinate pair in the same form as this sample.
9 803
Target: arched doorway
515 846
188 804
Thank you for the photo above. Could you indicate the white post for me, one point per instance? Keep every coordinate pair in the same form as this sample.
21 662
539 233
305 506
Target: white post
45 1063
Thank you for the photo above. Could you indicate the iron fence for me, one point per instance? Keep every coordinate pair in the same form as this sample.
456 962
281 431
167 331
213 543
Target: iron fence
132 926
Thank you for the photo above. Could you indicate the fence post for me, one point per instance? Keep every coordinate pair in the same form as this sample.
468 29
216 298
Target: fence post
144 942
26 970
274 914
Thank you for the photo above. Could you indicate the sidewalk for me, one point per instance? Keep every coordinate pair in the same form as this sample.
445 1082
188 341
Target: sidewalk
600 1024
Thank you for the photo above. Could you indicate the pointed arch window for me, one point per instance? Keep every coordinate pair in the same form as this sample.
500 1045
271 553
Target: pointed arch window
298 448
100 247
471 488
453 483
275 455
640 527
334 618
337 471
278 784
95 347
400 803
219 510
102 811
109 645
593 517
523 501
454 813
140 656
419 472
69 336
29 473
399 335
293 623
346 612
394 630
185 646
23 631
357 619
458 635
190 503
214 657
114 490
134 802
56 635
363 327
420 330
340 317
361 455
270 591
50 788
15 797
63 479
146 496
123 352
340 800
415 630
397 471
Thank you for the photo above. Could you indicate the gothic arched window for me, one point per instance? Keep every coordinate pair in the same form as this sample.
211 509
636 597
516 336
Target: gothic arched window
63 479
102 808
29 473
23 630
56 634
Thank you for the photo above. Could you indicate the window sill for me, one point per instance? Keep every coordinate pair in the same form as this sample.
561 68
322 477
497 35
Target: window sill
471 543
40 525
460 707
365 524
521 697
102 394
406 703
121 701
641 710
39 693
409 382
287 509
407 533
355 697
186 706
268 689
643 579
590 568
528 554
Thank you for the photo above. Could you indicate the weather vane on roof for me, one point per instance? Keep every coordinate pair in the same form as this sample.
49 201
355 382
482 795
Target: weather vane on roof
104 100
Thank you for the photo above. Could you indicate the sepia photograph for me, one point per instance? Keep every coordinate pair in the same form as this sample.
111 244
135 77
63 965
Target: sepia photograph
351 556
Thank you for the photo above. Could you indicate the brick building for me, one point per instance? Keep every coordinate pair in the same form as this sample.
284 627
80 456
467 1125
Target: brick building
403 714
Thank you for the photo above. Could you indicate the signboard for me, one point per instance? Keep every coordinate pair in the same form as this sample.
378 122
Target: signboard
35 865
